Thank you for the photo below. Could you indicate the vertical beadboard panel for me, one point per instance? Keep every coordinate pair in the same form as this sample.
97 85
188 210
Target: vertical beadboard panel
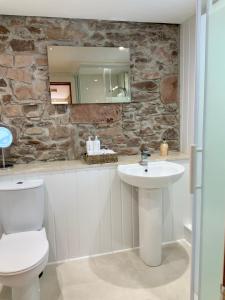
126 194
49 224
116 211
181 203
72 215
59 189
135 217
104 211
88 190
187 83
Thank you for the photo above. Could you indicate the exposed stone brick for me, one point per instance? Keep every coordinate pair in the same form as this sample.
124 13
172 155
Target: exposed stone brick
169 89
168 120
23 92
19 75
95 113
6 99
3 38
3 71
145 97
146 130
3 82
3 30
34 30
2 47
39 88
129 151
41 61
110 132
67 33
146 75
163 54
130 125
146 85
170 134
52 132
6 60
59 132
32 111
22 45
13 111
34 131
23 60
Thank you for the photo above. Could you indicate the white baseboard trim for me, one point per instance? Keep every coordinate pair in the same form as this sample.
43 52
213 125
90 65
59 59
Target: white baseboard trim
90 256
112 252
188 232
195 297
188 227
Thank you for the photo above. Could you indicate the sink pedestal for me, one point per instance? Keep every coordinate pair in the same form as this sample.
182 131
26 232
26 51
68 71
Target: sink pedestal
150 226
151 180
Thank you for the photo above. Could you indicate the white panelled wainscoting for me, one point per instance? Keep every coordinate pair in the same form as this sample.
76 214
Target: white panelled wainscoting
89 211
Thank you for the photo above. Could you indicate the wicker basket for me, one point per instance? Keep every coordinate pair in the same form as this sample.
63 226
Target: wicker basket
101 159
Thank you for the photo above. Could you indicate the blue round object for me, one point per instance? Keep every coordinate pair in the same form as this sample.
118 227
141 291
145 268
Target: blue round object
6 137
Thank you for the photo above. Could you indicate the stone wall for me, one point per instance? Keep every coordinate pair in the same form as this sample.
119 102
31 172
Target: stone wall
46 132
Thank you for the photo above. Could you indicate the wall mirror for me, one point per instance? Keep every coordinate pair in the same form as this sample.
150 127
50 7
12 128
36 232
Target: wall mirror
80 75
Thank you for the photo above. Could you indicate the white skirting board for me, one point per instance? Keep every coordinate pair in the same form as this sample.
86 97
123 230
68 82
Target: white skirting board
196 297
188 232
114 252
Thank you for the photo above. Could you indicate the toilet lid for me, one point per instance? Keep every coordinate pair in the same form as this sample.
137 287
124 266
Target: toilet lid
22 251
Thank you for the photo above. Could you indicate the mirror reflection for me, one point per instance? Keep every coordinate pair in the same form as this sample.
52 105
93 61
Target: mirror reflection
80 75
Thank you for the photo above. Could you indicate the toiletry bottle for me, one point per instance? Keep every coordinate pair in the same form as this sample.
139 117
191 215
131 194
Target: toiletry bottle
89 146
164 148
96 145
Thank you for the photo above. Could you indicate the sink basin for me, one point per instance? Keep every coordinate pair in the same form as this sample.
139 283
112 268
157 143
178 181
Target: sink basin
150 180
156 175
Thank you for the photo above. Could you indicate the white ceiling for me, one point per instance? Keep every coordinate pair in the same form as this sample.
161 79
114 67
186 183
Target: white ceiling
162 11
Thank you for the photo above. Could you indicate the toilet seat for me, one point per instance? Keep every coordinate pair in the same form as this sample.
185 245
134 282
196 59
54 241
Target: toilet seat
20 252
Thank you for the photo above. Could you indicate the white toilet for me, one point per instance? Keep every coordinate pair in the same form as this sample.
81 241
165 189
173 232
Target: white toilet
23 246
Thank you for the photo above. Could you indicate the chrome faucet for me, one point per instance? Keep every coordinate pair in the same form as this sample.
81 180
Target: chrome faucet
145 154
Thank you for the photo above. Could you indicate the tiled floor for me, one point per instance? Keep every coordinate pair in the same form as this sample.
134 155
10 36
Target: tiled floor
118 276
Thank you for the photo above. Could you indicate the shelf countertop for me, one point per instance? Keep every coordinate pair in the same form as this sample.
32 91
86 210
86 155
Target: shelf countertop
61 166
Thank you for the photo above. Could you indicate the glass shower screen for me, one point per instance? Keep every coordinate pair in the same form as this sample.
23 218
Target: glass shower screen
209 153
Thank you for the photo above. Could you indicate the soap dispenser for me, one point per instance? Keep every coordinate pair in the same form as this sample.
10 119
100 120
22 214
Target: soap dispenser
97 146
164 148
90 146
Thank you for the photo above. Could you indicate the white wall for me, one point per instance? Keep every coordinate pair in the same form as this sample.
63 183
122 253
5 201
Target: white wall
187 82
90 211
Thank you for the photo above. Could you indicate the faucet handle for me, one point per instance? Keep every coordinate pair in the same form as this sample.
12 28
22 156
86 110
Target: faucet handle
145 152
144 148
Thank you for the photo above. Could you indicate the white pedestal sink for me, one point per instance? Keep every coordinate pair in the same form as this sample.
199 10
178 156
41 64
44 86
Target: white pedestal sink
151 180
